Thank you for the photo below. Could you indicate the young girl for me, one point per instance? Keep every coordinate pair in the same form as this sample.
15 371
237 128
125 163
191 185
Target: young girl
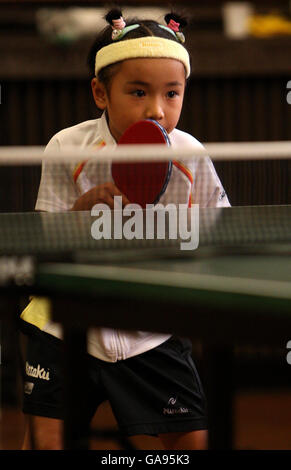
140 72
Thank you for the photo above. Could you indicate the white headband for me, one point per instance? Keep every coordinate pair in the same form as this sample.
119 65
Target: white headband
149 47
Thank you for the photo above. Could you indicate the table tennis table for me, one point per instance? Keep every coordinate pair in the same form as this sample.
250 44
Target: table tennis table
234 289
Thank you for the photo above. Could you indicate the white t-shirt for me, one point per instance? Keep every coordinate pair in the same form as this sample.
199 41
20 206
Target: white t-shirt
59 190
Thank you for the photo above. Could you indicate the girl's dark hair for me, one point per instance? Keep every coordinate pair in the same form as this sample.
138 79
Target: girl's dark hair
147 28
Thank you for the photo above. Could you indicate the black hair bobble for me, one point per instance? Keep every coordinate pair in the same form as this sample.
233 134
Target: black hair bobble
114 14
177 18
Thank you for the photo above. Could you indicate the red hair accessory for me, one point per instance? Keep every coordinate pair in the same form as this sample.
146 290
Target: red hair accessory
118 24
118 28
173 26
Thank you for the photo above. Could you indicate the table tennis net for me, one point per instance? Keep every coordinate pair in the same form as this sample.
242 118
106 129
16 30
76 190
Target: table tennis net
192 213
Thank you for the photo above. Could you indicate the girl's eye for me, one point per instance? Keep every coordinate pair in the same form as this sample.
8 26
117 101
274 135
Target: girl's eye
138 93
172 94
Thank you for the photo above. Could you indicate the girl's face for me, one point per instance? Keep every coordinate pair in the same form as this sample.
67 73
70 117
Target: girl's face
143 89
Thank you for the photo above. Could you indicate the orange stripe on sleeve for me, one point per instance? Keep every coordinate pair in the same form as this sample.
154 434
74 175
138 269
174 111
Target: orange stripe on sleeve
189 175
81 165
184 170
78 170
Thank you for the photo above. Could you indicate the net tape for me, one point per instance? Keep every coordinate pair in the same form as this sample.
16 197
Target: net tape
216 151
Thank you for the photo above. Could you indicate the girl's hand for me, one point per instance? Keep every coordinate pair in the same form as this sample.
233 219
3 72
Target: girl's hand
99 194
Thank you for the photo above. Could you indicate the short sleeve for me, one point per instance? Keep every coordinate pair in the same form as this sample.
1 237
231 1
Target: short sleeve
57 191
207 188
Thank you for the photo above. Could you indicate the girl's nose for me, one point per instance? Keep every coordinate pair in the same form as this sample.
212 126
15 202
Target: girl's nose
154 111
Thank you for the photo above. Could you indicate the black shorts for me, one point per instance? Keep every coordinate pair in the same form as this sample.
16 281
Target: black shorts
156 392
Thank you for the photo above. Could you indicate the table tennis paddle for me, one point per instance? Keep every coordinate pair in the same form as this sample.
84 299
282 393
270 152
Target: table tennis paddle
143 182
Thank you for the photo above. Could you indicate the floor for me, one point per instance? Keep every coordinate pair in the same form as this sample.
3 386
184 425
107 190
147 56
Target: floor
263 421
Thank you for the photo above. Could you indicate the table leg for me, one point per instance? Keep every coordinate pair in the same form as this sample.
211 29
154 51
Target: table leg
9 352
218 383
76 431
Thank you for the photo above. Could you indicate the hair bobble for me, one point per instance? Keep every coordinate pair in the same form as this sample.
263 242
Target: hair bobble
117 28
173 26
115 19
174 23
119 33
119 24
180 36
